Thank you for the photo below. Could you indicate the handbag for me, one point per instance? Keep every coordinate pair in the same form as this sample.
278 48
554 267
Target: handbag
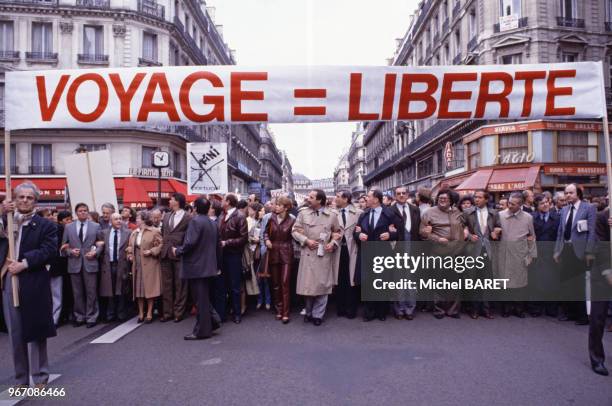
263 266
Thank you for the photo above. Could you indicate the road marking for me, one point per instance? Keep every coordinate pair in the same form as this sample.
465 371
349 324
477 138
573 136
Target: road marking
118 332
212 361
216 342
6 400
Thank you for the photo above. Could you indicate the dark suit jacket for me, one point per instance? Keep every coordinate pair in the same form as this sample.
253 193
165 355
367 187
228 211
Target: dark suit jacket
200 252
415 222
386 219
38 247
59 264
172 237
234 232
546 231
471 221
123 266
600 288
582 242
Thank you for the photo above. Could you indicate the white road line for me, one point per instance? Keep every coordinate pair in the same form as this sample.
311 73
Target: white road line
118 332
6 400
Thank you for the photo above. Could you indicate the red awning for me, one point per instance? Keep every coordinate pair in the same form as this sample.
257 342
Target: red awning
134 193
50 188
181 187
502 179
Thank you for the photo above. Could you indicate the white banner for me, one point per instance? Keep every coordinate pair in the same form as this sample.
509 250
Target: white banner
186 95
206 168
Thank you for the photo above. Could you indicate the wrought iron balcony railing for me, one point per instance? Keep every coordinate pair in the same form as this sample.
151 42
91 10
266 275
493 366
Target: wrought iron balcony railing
9 55
151 8
93 59
42 56
148 62
472 44
457 59
570 22
93 3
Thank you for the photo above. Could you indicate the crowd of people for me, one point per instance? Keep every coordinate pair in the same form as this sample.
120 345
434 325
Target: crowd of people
220 258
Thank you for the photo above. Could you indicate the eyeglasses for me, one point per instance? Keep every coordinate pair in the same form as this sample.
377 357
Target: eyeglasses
25 197
401 193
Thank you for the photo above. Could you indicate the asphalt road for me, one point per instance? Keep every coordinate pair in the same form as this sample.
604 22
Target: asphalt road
421 362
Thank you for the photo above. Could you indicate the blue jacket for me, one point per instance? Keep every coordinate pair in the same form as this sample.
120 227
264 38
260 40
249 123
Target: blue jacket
583 242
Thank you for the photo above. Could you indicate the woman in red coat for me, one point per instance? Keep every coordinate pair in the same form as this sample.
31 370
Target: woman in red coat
280 255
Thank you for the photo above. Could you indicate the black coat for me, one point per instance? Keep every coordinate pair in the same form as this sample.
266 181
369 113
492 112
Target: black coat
543 272
59 264
546 231
200 252
415 222
38 246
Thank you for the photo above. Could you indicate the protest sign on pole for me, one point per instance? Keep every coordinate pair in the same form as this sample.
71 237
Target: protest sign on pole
188 95
206 168
89 176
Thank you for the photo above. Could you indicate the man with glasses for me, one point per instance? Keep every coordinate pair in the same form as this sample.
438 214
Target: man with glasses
31 321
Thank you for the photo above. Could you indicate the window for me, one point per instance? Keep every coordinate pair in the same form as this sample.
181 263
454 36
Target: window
42 38
425 167
187 23
93 147
568 8
147 156
474 154
457 42
436 25
510 8
458 155
13 157
577 147
93 40
6 36
512 144
149 46
569 57
608 10
445 9
440 162
512 59
41 159
176 161
472 24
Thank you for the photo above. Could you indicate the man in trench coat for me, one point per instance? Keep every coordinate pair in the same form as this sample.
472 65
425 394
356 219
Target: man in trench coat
315 229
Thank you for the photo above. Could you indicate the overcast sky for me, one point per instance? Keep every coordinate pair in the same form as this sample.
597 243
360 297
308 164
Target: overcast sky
313 32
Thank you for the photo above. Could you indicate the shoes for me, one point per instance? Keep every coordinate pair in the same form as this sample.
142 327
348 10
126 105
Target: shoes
303 312
439 315
535 314
307 318
488 315
563 317
90 325
148 320
409 317
178 319
140 320
600 369
474 315
582 322
285 320
382 318
237 319
399 316
192 337
520 314
367 319
455 316
505 314
278 316
267 306
258 306
164 319
317 321
77 323
351 316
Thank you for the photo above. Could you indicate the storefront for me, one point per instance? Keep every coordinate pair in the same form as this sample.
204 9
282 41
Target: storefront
538 155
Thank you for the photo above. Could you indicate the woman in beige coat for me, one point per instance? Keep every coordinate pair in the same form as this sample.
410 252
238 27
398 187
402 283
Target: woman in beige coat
143 252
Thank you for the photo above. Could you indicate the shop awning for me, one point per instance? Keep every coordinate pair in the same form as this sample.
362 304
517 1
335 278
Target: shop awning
502 179
134 193
50 188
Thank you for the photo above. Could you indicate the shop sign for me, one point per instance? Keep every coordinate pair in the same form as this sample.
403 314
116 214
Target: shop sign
151 172
448 154
506 186
514 158
575 170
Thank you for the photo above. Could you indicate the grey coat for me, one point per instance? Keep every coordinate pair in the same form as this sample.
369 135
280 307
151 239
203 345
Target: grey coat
123 266
200 253
71 236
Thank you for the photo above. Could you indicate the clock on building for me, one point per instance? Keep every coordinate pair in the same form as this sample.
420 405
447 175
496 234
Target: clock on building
161 159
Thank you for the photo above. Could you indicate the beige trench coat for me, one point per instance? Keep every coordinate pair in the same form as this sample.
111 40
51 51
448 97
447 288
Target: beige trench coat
315 274
352 216
151 266
515 252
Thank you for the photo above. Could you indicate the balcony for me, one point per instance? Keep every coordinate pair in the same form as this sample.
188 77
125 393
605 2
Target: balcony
42 170
570 22
9 56
102 4
179 24
456 9
472 44
522 23
44 57
445 27
148 62
457 59
436 39
152 9
92 59
608 26
31 2
197 53
178 174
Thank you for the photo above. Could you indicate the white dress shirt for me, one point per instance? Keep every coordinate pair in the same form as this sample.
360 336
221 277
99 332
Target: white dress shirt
403 208
229 213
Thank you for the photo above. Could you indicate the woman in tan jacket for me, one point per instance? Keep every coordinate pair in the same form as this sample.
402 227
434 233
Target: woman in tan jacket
143 252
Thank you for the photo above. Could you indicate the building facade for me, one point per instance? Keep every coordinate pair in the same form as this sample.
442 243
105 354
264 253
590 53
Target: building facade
287 183
341 174
89 34
271 171
446 153
356 160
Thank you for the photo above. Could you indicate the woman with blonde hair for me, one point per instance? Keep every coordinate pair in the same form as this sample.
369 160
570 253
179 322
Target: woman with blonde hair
143 251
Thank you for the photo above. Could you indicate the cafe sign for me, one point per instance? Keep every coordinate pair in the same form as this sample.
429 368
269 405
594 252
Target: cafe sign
514 158
152 172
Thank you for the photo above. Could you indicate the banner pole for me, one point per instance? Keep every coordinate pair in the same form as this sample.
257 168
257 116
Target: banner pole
606 132
10 226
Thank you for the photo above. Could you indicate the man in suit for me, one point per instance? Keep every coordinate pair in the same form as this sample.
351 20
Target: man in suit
376 223
174 291
574 250
80 245
114 268
347 293
601 292
200 261
58 267
234 236
107 210
558 202
31 322
483 226
528 201
409 231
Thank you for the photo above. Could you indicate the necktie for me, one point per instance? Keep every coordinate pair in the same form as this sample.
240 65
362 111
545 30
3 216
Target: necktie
317 211
483 221
568 226
172 221
81 232
115 243
372 220
404 215
344 217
